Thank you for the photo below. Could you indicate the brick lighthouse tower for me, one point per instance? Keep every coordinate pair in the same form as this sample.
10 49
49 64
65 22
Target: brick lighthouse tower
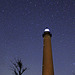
47 67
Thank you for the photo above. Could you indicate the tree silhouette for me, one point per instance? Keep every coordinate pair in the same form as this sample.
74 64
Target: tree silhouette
17 67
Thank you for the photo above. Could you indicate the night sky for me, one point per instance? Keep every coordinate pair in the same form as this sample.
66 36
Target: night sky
22 23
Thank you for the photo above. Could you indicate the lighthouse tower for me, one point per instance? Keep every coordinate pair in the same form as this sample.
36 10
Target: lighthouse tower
47 66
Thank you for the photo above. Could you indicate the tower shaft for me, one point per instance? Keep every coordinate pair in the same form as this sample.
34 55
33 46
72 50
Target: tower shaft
47 67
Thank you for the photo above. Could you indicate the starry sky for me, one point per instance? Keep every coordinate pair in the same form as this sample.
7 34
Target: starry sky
22 23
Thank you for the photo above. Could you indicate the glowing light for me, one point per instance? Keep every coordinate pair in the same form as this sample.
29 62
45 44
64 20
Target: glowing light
47 30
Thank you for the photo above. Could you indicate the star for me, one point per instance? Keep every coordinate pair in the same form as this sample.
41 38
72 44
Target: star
3 11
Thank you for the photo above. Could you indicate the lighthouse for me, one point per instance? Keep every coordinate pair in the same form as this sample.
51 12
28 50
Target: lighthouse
47 66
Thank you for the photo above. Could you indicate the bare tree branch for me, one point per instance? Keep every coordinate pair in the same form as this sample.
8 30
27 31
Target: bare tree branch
24 70
17 67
